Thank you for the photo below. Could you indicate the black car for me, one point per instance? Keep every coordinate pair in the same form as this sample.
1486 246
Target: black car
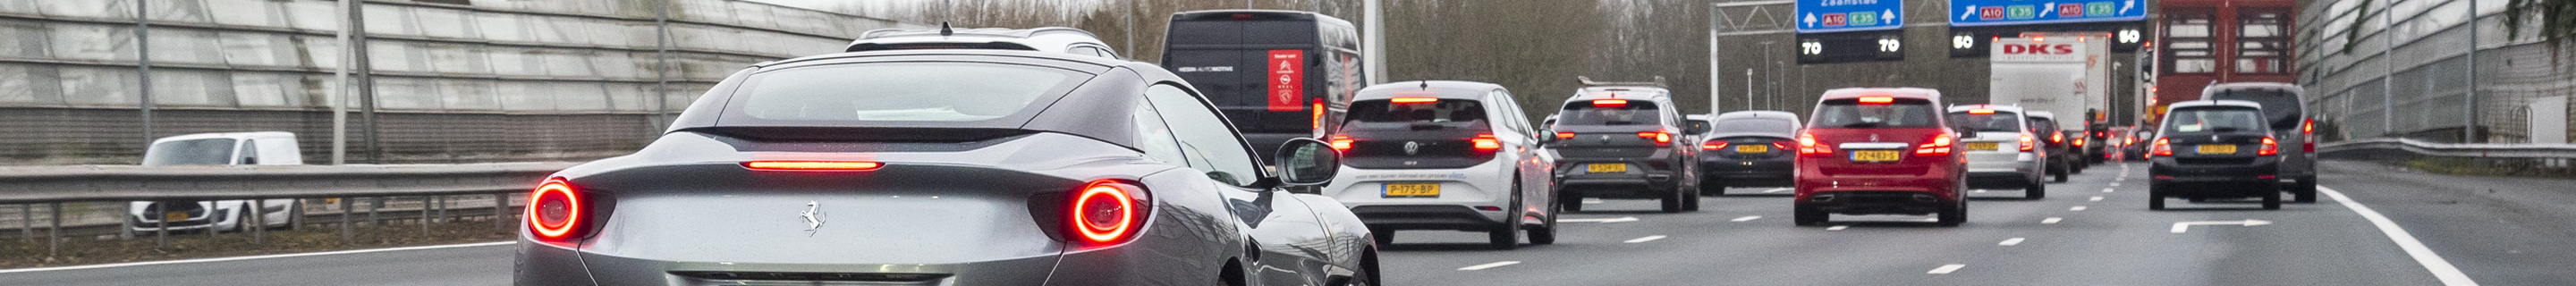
2214 150
2061 154
946 167
1749 149
1624 141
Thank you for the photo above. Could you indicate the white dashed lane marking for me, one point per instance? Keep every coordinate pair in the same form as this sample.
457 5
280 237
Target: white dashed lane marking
1747 218
2050 220
1488 265
2075 209
1946 269
2106 190
2010 242
2095 199
1646 239
1838 227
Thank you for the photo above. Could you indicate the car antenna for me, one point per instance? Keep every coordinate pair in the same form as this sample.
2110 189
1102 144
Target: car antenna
1426 85
944 31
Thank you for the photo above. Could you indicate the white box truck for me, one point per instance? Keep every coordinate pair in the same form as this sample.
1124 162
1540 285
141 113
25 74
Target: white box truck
2066 74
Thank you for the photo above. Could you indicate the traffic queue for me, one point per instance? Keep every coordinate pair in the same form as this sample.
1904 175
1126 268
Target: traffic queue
1040 156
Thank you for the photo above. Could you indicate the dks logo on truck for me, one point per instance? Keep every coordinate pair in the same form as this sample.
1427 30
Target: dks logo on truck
2039 49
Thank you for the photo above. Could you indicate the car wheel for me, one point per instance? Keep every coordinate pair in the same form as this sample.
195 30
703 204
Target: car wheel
1955 214
1673 202
1690 199
2035 191
2061 174
1359 278
2272 200
1506 238
2155 199
1805 215
1545 233
2305 189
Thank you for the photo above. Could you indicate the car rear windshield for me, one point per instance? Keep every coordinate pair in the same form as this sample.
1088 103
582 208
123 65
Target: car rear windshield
1999 121
1757 125
1386 114
1587 112
1851 113
914 92
2280 107
2218 119
212 151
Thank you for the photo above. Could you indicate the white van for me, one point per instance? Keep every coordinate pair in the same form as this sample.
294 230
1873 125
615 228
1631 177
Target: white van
203 149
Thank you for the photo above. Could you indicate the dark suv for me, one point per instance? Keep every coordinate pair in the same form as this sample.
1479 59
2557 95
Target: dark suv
1749 149
2214 150
1624 141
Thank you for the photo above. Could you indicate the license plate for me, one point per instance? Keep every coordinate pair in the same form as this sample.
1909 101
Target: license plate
1874 156
174 216
1983 146
1753 148
1606 168
2217 149
1412 190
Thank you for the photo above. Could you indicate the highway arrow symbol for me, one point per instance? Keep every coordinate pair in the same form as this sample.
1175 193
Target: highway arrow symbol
1600 220
1887 17
2124 8
2044 9
1811 19
2180 227
1972 12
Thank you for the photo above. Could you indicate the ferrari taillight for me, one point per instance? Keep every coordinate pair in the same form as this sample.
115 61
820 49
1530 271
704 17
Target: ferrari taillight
1106 212
1940 146
2269 147
555 211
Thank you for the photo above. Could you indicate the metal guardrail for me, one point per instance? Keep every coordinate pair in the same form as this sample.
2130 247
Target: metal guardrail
45 184
2377 147
55 185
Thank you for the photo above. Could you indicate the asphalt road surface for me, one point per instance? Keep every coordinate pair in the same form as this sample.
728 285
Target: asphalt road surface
2092 230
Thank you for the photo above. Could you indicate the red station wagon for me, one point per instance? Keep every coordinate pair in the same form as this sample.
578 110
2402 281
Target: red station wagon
1879 151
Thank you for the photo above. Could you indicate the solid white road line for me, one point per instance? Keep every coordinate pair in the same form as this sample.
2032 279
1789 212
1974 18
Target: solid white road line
1838 227
2050 220
2094 199
2010 242
1488 265
1775 190
1746 218
1645 239
1946 269
235 258
2075 209
1600 220
2450 275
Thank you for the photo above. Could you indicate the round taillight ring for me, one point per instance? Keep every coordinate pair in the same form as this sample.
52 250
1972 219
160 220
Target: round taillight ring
1103 212
554 209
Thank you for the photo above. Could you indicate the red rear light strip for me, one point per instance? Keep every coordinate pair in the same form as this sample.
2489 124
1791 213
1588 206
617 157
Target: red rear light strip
812 165
1713 145
1486 142
1940 146
1660 137
554 189
1610 103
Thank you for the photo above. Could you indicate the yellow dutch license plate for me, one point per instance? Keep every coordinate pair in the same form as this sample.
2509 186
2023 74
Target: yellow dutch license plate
1752 148
1606 168
174 216
1983 146
2217 149
1874 156
1412 190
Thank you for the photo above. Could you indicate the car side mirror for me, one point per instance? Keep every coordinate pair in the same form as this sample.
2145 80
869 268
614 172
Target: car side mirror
1306 162
1545 135
1696 127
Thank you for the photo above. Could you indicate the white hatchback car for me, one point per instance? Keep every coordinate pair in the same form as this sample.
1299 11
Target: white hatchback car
1445 155
2002 150
1043 39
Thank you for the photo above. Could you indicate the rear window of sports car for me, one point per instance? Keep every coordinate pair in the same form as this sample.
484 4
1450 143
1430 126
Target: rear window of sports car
895 93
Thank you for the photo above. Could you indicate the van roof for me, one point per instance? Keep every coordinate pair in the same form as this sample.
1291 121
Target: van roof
2004 108
1620 92
2283 86
231 135
2213 103
1288 14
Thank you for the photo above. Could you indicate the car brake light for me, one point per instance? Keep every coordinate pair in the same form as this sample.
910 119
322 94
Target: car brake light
1486 143
555 210
1317 122
2026 141
1713 145
1341 143
811 165
1940 146
1106 212
1807 146
1565 135
2308 130
2269 148
2057 138
1610 103
1659 136
2161 149
1877 99
1414 100
1981 111
1784 145
2080 142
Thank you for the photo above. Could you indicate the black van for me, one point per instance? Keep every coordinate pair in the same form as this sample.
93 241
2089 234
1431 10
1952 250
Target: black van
1275 73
